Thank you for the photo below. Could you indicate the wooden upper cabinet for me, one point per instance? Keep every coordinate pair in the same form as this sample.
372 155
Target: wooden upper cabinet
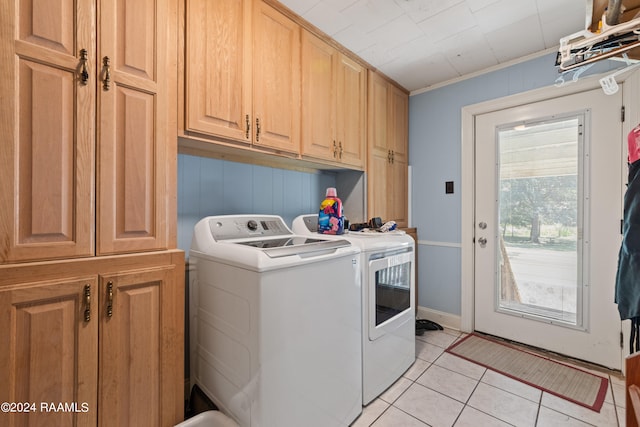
47 116
351 115
333 104
378 111
399 123
137 126
217 73
242 74
276 80
318 61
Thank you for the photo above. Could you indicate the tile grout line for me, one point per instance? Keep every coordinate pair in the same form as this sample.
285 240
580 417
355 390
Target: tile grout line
442 350
539 402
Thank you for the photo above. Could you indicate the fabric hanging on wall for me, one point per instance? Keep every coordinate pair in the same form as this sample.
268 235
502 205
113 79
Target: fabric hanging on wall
627 291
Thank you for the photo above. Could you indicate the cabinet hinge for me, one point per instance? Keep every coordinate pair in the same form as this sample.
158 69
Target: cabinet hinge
622 115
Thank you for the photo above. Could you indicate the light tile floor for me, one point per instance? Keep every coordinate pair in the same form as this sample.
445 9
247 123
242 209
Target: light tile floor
443 390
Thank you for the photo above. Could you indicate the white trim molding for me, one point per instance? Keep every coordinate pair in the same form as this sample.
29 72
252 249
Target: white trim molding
446 320
441 244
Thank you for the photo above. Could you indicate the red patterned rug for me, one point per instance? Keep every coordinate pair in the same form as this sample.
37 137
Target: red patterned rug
573 384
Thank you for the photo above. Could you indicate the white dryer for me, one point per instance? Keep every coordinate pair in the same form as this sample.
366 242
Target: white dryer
388 315
275 323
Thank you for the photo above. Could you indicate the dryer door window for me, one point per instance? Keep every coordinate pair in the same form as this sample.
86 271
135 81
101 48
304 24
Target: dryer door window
392 294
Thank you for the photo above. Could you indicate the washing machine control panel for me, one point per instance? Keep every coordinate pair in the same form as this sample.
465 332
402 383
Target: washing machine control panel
246 226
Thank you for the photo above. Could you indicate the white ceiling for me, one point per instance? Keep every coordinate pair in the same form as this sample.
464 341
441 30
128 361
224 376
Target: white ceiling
421 43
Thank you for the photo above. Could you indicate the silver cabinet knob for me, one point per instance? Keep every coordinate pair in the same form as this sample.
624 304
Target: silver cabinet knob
482 241
482 225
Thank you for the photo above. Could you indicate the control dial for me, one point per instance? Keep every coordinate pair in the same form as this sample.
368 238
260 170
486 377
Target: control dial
252 225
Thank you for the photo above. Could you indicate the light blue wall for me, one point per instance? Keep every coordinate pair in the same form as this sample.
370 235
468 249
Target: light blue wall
435 156
218 187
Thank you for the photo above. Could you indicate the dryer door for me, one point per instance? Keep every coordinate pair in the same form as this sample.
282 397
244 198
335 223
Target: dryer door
391 291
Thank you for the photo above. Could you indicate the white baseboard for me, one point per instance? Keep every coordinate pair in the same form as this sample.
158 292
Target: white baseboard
445 320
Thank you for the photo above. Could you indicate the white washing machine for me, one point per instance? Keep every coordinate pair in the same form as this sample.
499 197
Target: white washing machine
388 315
275 323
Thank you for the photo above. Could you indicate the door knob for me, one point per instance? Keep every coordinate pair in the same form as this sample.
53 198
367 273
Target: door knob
482 241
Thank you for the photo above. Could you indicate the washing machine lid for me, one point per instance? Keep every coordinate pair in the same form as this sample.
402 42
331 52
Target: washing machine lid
293 245
261 242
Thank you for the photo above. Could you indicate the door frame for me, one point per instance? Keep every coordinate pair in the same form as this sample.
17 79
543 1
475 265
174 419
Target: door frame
632 113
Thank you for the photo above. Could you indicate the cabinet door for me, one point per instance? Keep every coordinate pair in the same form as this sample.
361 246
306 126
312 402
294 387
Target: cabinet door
379 187
141 348
218 68
318 98
378 162
399 123
47 116
378 106
398 197
136 125
398 140
388 130
351 112
276 80
49 351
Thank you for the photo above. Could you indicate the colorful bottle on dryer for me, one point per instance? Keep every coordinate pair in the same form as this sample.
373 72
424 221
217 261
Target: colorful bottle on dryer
331 216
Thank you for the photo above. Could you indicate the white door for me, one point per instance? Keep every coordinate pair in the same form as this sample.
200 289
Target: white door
547 225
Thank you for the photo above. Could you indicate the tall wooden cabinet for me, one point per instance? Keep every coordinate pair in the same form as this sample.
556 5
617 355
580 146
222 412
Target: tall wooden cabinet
87 197
387 166
334 91
398 141
47 121
83 166
242 73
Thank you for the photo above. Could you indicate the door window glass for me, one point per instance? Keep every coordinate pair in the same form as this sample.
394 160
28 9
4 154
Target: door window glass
540 210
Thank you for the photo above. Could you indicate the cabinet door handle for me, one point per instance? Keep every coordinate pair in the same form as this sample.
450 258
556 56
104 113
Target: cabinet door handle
109 299
393 156
87 303
257 129
335 149
340 145
248 127
84 72
107 73
389 156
